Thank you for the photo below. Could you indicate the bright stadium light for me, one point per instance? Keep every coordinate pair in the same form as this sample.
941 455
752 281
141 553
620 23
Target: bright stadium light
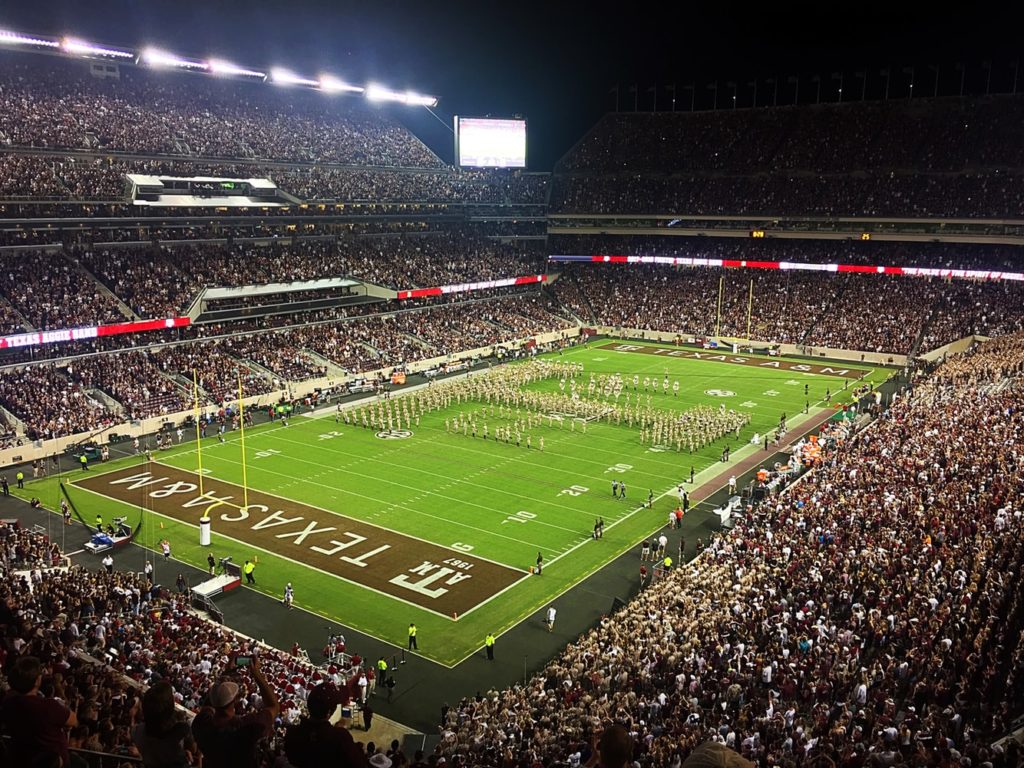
157 58
380 93
221 67
331 84
82 48
13 38
285 77
418 100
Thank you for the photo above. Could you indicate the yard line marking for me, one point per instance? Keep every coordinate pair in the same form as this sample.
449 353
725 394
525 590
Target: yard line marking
455 481
402 506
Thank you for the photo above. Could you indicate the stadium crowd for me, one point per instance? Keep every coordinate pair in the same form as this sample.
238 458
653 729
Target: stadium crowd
869 616
823 160
788 306
57 104
101 639
52 292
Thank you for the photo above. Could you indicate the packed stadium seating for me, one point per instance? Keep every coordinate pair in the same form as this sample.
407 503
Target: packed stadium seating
103 637
938 158
869 616
57 104
864 618
790 306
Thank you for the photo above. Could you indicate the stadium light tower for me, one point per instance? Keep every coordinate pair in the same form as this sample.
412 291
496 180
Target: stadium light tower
376 92
157 58
282 76
14 38
331 84
221 67
82 48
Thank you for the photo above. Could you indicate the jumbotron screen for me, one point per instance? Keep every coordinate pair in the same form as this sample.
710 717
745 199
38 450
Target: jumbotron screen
488 143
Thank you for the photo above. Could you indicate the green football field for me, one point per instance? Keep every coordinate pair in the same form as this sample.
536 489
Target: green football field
477 499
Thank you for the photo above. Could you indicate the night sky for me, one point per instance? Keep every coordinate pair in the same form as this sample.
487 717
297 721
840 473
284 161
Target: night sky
555 62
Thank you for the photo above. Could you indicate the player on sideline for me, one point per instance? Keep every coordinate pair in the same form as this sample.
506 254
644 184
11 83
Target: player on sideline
289 596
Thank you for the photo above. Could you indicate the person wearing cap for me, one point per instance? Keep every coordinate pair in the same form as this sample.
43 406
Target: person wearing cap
380 760
313 742
226 739
412 638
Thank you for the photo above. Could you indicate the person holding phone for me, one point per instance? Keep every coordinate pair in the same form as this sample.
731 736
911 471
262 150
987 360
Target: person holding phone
227 739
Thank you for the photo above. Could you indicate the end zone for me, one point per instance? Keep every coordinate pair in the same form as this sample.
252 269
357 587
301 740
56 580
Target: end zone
432 577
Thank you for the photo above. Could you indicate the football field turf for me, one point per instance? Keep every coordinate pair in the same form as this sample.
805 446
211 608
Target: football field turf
376 529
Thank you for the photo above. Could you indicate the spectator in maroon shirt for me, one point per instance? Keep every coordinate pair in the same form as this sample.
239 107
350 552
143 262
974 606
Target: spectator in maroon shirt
36 724
228 739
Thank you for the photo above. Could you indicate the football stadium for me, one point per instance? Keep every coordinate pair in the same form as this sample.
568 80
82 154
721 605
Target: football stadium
351 422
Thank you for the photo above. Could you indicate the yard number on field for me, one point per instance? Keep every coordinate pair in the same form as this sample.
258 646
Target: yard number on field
267 453
575 490
522 516
330 435
619 468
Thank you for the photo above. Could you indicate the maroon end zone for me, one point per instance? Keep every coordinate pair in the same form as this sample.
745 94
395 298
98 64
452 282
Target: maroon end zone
723 357
428 575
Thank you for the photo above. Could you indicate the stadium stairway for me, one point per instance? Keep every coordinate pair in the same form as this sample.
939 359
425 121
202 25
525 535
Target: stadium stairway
333 369
101 287
925 326
590 307
11 311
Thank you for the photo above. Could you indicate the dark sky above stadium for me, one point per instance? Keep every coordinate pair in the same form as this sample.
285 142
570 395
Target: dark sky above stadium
555 62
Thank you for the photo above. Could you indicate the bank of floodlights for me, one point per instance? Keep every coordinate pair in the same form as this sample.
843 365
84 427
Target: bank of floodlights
14 38
155 57
221 67
376 92
82 48
161 59
331 84
281 76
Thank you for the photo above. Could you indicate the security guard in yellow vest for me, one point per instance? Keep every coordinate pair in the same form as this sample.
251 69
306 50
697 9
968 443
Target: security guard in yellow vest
489 644
247 569
85 462
668 563
382 671
412 638
20 477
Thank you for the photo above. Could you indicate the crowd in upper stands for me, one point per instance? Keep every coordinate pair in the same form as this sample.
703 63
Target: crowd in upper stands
872 615
58 105
938 157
